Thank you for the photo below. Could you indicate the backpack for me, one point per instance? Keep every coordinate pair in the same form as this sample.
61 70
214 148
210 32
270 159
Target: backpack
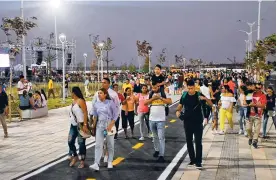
163 95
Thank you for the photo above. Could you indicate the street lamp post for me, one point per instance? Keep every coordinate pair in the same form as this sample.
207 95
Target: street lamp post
149 53
23 56
62 38
85 57
55 5
259 20
101 45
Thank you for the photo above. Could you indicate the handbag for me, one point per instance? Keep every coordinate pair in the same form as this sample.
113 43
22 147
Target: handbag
80 127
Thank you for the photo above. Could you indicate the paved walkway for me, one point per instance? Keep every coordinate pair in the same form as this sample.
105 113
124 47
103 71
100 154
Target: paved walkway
229 156
36 142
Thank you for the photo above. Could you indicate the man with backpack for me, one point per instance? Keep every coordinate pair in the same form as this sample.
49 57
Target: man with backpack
157 117
189 110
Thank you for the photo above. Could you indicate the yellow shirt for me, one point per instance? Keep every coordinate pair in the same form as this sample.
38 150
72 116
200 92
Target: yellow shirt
141 80
124 86
50 84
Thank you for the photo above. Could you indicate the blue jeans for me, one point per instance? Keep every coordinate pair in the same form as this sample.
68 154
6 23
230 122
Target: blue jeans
73 134
157 128
266 116
243 115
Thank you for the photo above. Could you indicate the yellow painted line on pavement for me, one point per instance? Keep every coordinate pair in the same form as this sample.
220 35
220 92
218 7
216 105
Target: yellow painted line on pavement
138 145
172 121
166 126
90 179
117 161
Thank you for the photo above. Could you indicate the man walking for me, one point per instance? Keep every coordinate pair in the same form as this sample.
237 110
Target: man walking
4 110
190 104
256 112
50 88
157 118
87 94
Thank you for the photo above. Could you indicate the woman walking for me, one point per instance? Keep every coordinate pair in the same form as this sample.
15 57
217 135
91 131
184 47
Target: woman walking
79 121
128 112
143 111
226 110
104 117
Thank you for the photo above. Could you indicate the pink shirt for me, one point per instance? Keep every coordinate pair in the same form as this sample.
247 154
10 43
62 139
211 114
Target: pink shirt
141 107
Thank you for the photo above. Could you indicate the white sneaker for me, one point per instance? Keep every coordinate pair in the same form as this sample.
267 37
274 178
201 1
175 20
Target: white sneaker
95 166
141 138
150 135
245 133
240 131
221 132
214 132
110 165
105 159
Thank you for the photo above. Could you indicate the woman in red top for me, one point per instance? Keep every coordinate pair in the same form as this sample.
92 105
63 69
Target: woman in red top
142 110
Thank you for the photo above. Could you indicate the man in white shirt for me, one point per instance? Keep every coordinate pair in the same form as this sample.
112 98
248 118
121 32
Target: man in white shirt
157 118
20 86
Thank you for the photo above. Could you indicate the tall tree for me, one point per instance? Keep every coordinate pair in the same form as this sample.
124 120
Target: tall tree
162 57
143 50
146 65
108 46
20 27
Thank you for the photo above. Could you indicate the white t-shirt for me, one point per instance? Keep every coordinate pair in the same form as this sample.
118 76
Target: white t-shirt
227 101
157 110
44 102
205 91
20 85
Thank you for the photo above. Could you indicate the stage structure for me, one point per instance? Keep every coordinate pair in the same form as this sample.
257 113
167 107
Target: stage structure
39 49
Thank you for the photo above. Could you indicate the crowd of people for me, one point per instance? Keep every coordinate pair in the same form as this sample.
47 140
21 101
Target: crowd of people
210 95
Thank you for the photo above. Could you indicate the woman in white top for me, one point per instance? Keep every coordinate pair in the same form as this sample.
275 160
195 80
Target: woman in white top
79 121
206 91
226 110
44 98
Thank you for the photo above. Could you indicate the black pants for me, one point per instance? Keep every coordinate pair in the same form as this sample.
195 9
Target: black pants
129 118
117 125
206 110
197 131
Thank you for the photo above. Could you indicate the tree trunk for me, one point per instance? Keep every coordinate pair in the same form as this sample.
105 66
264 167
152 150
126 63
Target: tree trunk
107 62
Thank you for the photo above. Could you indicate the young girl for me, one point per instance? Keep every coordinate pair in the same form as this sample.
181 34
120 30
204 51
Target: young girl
142 110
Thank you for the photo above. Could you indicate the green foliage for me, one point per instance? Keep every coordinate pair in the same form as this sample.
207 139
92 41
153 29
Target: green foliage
17 25
132 68
258 56
124 67
146 65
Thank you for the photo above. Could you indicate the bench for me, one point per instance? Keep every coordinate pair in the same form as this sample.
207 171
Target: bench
31 113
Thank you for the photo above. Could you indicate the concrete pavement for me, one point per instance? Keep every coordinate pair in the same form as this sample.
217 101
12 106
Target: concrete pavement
228 157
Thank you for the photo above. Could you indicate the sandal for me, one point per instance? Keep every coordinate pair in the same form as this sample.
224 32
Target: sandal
81 165
73 161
